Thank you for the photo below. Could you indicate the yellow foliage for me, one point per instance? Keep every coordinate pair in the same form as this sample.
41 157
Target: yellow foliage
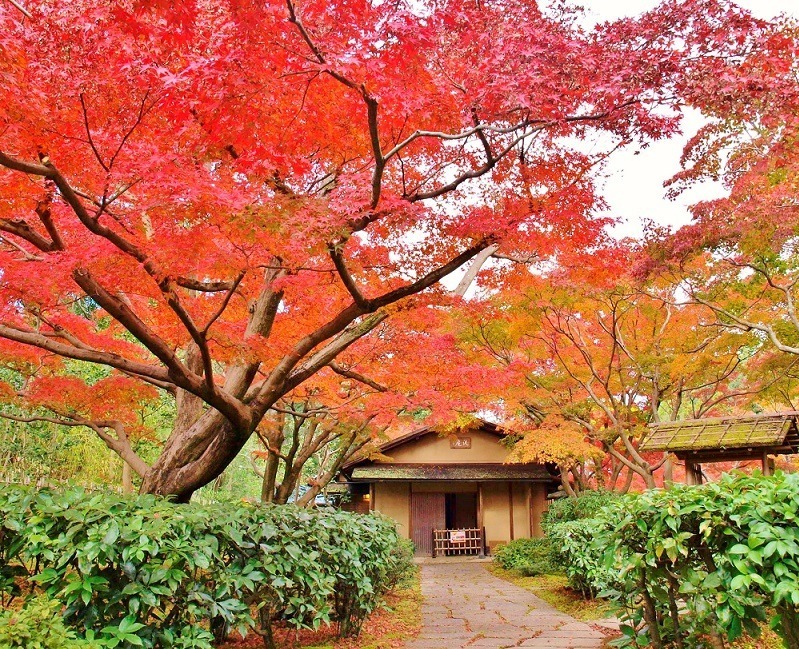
556 440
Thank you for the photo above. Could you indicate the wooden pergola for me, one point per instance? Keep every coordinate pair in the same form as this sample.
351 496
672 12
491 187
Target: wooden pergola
697 441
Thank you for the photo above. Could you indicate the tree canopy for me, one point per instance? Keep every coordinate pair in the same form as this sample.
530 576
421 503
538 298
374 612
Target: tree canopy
230 201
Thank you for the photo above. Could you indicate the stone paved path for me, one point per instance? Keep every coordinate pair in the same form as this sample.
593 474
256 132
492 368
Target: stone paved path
466 606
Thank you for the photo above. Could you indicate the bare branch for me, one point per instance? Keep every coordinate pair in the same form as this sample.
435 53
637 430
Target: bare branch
346 278
89 134
350 374
22 9
119 444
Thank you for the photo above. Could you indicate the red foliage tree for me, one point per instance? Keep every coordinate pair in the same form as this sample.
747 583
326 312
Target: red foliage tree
219 198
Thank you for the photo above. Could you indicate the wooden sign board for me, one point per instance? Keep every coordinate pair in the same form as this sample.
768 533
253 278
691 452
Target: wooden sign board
457 536
460 442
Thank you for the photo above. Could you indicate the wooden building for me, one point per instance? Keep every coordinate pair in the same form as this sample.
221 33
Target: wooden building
452 494
699 441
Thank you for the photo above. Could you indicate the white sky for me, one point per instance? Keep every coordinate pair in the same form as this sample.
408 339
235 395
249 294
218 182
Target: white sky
634 187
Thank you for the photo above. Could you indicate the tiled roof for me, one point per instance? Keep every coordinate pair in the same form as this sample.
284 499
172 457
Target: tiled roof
467 472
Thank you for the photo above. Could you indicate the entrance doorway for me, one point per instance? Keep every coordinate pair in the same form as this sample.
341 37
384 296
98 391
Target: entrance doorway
439 511
461 511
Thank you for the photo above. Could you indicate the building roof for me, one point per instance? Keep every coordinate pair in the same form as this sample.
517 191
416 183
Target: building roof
726 437
462 472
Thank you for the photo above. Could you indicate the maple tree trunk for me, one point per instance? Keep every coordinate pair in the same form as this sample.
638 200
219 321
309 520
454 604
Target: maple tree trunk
270 479
193 457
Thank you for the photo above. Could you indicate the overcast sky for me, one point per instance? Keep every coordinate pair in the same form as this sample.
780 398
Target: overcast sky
634 187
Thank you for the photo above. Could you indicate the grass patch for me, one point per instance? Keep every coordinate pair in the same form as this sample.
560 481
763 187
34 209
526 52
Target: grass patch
554 591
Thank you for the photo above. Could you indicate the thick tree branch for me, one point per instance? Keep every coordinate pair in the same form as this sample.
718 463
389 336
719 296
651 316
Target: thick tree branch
46 217
178 373
327 353
41 341
205 286
474 268
20 228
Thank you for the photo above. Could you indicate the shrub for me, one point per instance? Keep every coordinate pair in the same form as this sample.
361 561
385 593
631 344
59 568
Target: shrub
694 561
579 549
179 575
39 626
587 504
402 568
531 557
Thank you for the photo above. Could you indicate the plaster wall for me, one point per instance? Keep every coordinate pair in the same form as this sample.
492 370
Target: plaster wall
434 449
496 515
392 499
521 510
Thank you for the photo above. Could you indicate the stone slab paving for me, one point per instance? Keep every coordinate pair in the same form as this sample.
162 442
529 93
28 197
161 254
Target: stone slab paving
466 606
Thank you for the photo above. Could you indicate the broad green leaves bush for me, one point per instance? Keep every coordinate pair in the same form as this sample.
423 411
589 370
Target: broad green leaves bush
530 557
692 564
142 571
586 505
584 561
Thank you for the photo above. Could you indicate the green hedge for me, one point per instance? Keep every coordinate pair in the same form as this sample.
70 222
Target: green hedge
39 626
531 557
586 505
691 564
142 571
585 561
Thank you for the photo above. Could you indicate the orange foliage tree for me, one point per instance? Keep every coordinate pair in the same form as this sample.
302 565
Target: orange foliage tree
597 356
218 199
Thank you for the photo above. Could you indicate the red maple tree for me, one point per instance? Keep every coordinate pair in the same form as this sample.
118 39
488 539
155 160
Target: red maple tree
220 198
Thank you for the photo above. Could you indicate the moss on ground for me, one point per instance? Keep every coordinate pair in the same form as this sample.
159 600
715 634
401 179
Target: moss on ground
554 591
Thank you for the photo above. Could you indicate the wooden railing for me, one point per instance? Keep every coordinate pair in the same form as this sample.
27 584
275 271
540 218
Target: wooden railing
458 542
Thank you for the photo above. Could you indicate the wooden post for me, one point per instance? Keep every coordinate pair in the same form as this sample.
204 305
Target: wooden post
510 508
768 467
479 504
530 508
480 517
693 473
371 496
410 511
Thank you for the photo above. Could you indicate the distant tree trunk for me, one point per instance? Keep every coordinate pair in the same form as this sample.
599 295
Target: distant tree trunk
127 478
668 473
566 482
270 478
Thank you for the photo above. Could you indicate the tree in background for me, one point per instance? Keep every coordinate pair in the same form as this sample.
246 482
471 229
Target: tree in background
236 193
598 356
